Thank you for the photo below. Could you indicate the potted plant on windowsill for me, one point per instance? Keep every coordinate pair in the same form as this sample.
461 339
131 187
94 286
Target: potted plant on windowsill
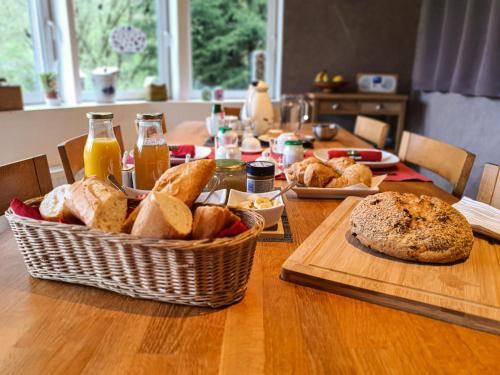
49 83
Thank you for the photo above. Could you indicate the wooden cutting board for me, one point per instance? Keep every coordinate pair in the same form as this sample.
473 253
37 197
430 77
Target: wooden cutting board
466 293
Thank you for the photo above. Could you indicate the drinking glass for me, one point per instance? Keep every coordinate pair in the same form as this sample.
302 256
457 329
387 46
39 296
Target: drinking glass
294 111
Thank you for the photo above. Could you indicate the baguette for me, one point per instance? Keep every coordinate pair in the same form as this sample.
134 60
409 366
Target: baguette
210 220
163 216
185 181
54 205
97 204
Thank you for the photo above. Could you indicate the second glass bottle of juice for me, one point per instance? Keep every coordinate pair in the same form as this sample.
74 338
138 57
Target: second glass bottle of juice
151 154
102 154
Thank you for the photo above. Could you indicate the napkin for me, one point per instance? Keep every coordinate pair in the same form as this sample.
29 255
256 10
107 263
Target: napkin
364 155
22 209
237 228
482 217
180 151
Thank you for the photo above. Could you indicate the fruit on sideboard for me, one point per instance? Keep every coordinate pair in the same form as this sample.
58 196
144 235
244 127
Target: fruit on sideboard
322 76
337 78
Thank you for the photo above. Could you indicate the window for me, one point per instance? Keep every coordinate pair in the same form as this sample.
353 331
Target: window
95 20
226 43
191 44
228 39
17 61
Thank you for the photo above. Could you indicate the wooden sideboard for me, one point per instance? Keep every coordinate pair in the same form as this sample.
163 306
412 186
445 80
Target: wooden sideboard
354 104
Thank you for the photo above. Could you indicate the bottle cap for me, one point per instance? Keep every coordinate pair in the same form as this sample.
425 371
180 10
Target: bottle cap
293 142
260 168
224 129
100 115
149 116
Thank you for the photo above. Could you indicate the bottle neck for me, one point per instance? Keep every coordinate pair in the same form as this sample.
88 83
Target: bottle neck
99 128
150 132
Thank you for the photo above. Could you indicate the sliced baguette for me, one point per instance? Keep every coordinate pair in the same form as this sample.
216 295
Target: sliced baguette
97 204
185 181
54 206
210 220
163 216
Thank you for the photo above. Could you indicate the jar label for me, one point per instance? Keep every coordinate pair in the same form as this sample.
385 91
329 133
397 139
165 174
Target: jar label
260 186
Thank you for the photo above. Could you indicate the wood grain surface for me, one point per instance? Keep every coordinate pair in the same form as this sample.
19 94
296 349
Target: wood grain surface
466 293
278 328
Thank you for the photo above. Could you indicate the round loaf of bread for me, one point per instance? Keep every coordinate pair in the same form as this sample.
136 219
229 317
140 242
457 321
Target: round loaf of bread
424 229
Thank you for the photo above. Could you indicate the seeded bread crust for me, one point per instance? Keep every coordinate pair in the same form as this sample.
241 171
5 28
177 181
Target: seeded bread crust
423 229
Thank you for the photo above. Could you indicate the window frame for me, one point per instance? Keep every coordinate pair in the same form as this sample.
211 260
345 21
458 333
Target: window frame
55 47
181 63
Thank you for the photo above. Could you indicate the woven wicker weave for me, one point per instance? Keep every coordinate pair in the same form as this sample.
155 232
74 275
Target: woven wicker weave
200 273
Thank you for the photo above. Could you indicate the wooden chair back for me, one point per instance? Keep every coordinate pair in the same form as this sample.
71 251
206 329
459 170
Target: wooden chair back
489 187
371 130
450 162
71 153
232 111
24 179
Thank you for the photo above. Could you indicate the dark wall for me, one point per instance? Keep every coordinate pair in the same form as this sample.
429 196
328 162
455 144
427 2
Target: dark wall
469 122
347 37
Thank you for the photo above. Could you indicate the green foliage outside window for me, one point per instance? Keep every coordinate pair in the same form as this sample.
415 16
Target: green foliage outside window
223 35
17 61
95 19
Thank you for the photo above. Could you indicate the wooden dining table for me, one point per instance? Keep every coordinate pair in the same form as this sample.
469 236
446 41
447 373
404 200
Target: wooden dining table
49 327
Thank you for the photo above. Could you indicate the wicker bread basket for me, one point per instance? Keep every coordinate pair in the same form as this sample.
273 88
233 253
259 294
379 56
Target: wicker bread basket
200 273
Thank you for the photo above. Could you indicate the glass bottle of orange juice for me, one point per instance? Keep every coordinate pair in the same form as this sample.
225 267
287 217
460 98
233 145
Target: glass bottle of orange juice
102 154
151 153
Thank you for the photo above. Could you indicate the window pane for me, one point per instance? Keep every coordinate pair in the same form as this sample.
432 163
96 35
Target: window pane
17 61
224 34
96 19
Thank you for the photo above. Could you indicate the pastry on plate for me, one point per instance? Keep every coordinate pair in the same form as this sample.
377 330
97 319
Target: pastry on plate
318 175
423 229
340 164
358 173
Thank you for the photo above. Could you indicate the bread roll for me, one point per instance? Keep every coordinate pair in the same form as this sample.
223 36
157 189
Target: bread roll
318 175
186 181
54 206
163 216
97 204
339 165
210 220
358 173
296 170
311 160
339 182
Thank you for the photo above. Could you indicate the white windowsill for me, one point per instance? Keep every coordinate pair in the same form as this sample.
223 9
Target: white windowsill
44 107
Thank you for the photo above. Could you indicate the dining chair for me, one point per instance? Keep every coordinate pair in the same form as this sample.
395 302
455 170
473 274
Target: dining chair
371 130
489 187
448 161
232 111
71 153
24 179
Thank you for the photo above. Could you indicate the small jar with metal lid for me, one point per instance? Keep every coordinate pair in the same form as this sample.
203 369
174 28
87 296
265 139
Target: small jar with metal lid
260 177
293 152
231 174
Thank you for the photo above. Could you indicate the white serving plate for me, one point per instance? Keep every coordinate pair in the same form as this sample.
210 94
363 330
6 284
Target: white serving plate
271 215
388 159
358 190
218 197
201 152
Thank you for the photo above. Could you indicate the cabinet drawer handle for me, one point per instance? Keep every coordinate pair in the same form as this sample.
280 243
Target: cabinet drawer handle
335 106
378 107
